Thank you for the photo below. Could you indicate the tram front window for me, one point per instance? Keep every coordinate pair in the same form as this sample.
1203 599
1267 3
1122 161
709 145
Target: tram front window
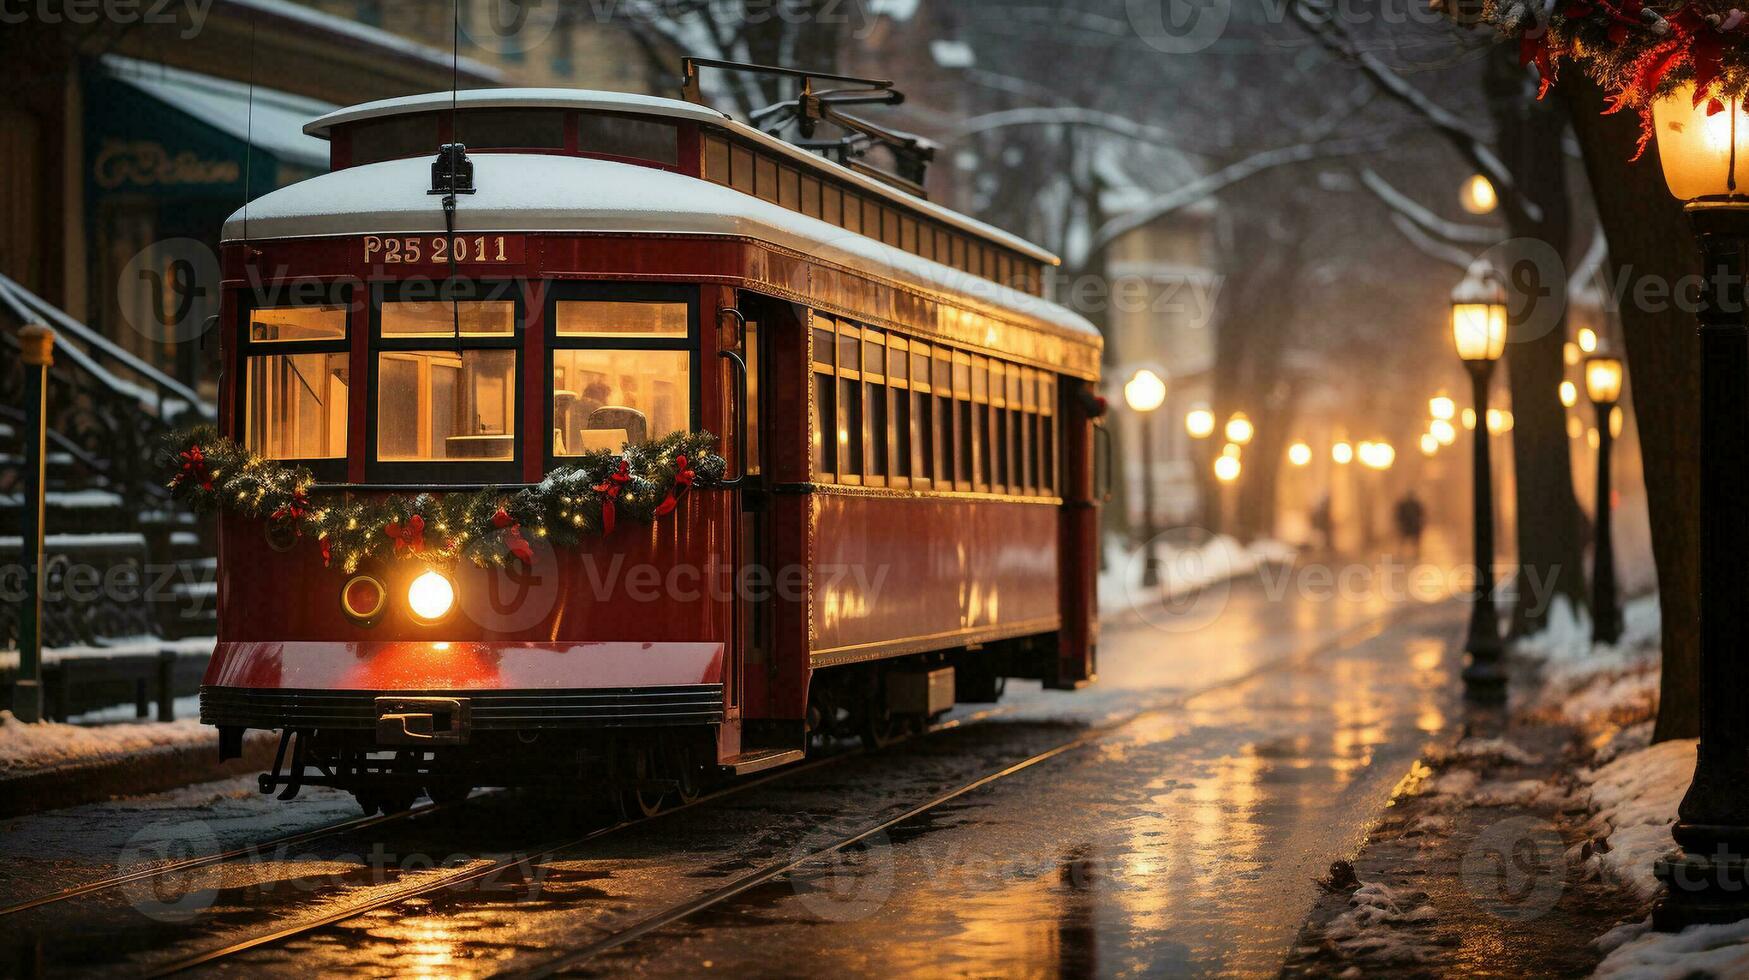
445 405
296 406
622 373
446 376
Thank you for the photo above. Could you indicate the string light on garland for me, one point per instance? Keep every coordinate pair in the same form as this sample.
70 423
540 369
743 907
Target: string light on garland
488 526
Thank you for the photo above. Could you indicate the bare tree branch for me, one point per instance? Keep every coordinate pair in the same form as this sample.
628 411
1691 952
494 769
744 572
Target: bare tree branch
1424 219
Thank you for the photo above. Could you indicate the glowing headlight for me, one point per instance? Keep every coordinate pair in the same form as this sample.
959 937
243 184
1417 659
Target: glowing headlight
430 596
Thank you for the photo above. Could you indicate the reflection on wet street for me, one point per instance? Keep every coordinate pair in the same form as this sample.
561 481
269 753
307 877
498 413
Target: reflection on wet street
1171 819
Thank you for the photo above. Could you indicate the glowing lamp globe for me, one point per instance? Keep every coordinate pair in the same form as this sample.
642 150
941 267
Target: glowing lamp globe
1478 196
1603 379
1227 468
1702 151
1199 423
1145 392
1240 429
1478 315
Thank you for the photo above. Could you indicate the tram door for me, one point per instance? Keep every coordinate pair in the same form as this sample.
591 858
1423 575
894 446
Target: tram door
754 613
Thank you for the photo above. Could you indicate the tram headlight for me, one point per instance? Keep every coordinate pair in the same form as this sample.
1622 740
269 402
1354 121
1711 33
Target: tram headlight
431 596
363 598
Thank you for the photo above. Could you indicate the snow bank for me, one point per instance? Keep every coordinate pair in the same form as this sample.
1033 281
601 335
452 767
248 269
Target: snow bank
1184 568
45 745
1635 799
1598 687
1638 953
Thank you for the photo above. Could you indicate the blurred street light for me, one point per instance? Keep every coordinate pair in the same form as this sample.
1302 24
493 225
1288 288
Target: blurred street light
1240 429
1700 143
1299 454
1575 428
1429 444
1570 353
1569 394
1441 407
1442 432
1145 392
1499 421
1615 420
1376 455
1469 419
1227 469
1199 422
1603 384
1478 328
1478 195
1342 453
1587 339
1230 450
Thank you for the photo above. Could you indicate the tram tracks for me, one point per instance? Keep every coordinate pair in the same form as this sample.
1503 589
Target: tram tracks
431 884
1354 636
272 845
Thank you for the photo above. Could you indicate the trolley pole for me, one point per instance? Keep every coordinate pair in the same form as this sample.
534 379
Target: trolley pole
38 344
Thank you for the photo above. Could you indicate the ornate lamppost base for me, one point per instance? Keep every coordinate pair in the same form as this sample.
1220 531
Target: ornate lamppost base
1701 889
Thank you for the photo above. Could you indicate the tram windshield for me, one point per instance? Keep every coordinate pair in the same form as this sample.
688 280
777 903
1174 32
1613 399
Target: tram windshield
447 379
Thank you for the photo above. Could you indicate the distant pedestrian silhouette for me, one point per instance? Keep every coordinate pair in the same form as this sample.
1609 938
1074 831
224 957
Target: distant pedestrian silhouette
1411 521
1322 523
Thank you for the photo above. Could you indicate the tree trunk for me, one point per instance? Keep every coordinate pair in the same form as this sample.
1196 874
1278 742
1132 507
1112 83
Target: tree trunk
1550 525
1649 242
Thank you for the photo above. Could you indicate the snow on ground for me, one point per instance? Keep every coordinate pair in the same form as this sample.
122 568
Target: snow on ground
1371 926
1638 953
1600 688
1635 798
44 745
1184 568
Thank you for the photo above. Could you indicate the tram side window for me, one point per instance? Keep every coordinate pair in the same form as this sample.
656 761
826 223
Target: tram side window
850 442
941 382
825 345
622 136
393 138
622 373
898 375
1047 407
511 129
923 412
295 403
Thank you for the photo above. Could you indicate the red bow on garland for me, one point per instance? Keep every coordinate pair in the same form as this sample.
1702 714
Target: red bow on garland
513 536
683 477
194 467
610 489
327 550
409 537
293 510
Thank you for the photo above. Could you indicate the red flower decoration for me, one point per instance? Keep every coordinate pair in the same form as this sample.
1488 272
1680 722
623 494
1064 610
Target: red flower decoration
610 489
683 477
194 467
409 537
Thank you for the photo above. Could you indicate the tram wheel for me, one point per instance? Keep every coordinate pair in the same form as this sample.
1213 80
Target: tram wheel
882 728
639 769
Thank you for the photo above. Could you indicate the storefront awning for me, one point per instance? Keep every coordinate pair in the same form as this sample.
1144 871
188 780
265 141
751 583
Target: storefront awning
203 125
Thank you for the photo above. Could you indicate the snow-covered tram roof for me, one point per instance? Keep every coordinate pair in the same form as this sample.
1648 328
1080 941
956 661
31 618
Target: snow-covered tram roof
534 193
650 105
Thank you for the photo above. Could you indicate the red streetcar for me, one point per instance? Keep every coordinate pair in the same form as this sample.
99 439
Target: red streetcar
903 516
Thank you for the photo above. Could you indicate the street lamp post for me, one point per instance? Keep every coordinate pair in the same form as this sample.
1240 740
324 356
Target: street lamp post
1478 327
1144 393
1603 384
1700 151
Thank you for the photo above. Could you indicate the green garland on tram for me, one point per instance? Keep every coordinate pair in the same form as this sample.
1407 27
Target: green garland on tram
489 526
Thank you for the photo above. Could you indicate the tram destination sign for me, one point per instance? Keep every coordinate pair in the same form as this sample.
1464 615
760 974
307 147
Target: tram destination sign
439 250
